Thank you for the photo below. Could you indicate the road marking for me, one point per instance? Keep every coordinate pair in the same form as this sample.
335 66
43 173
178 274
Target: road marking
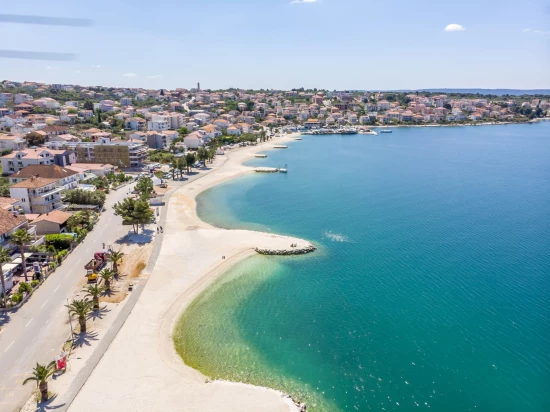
28 322
78 261
43 304
9 346
56 288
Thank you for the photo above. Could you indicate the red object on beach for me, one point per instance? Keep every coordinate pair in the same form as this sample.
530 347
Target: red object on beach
61 362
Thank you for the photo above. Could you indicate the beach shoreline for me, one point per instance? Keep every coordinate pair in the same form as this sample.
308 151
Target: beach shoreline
204 253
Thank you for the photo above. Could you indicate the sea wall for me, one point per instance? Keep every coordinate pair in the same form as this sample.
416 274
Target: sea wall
287 252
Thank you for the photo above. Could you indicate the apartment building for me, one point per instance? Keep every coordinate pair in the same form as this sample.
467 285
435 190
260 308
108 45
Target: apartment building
12 142
67 178
38 195
20 159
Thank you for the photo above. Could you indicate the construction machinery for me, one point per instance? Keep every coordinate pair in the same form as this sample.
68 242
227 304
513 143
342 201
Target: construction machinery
95 265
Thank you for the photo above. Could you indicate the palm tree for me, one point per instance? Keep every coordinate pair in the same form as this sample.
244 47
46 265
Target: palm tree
107 276
40 374
20 238
94 291
80 308
116 258
4 258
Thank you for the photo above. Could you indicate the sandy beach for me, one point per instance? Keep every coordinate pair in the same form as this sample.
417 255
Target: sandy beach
141 370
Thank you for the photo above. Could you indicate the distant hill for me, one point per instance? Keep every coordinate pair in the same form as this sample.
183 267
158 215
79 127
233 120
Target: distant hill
498 92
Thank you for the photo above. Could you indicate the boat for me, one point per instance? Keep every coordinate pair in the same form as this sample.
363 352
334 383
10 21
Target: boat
386 130
284 169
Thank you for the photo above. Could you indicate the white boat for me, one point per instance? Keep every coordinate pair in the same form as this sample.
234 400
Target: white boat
386 130
284 169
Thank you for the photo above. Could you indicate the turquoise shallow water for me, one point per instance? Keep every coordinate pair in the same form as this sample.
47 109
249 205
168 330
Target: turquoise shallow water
431 286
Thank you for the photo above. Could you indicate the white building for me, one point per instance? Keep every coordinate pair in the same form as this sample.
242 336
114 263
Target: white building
38 195
22 97
194 140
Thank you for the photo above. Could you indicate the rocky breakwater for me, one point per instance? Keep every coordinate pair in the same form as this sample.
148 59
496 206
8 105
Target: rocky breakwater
291 250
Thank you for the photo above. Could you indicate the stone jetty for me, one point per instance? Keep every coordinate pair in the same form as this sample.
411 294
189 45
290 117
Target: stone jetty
287 252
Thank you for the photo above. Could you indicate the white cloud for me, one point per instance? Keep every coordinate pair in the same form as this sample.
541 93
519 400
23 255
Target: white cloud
303 1
454 27
50 67
130 75
155 76
97 66
77 71
536 31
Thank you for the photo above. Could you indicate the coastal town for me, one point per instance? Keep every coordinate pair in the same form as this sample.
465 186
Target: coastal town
75 160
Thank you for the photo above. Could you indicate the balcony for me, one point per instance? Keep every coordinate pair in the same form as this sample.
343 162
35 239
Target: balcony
47 192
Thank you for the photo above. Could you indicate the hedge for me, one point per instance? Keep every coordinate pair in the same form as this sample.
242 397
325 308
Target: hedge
59 242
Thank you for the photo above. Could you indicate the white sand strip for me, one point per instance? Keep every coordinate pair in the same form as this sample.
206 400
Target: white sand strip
141 370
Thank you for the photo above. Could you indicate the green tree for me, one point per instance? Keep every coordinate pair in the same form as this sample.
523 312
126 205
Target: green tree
134 212
4 258
83 197
20 238
88 105
99 115
116 258
107 276
159 174
182 131
80 308
190 160
202 154
447 106
144 187
94 291
180 164
41 374
211 153
35 139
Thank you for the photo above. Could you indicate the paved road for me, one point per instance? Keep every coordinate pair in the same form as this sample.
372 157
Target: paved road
37 331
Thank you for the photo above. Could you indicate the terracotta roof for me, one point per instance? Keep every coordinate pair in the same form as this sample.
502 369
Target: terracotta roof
7 202
34 183
9 221
91 166
46 171
57 216
92 130
31 216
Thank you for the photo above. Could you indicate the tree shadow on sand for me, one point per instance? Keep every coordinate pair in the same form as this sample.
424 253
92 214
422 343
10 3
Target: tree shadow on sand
47 406
144 236
85 339
98 314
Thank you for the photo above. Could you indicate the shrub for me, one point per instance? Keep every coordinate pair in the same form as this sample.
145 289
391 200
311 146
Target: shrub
16 298
59 242
35 283
24 287
83 197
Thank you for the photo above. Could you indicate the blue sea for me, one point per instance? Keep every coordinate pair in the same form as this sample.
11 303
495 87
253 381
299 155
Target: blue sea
430 288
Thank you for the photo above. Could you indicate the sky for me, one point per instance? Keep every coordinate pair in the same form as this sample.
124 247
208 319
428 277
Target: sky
283 44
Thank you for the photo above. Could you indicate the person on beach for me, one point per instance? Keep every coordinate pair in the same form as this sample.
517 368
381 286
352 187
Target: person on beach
161 231
158 230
